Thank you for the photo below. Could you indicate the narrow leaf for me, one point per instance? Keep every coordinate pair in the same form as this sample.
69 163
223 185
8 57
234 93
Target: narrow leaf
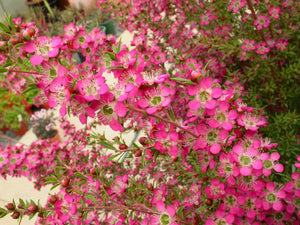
107 145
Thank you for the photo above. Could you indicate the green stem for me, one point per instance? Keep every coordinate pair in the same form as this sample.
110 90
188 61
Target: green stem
48 8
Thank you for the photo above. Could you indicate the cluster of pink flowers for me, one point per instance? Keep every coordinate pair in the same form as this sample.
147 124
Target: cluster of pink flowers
200 160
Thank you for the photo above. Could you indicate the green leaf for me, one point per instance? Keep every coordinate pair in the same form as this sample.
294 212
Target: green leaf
107 145
30 88
56 172
77 174
82 182
4 27
172 114
186 81
111 56
116 50
112 157
114 67
50 180
143 159
54 186
2 70
18 45
2 214
91 197
31 216
21 202
11 24
8 62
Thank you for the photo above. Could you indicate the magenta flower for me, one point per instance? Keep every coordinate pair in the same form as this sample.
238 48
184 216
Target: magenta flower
43 49
81 109
261 21
70 31
262 49
274 12
59 94
250 121
247 159
167 142
235 5
215 190
119 185
204 94
248 45
155 99
270 162
167 214
126 58
108 110
273 197
92 87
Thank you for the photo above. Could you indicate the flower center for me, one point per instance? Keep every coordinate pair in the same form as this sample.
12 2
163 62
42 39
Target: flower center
245 160
107 110
267 164
271 198
164 219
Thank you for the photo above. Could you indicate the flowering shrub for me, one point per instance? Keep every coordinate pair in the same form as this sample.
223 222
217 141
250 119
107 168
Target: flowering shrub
254 43
199 158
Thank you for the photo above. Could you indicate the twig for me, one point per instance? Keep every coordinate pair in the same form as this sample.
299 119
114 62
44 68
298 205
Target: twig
11 139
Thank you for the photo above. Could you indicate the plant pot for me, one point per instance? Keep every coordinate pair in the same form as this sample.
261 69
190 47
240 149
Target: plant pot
46 105
28 109
109 27
22 130
63 4
54 139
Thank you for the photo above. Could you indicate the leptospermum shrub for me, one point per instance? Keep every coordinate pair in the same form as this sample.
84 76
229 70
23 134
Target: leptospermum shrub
199 158
255 43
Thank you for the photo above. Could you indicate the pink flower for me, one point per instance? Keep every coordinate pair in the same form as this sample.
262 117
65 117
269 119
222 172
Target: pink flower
235 5
261 48
167 214
248 45
250 121
119 185
155 99
125 58
274 12
205 94
247 159
59 94
215 190
92 87
108 110
273 197
270 162
261 21
70 31
43 49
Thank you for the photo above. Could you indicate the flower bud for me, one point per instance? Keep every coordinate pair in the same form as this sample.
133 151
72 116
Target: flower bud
15 40
208 202
10 206
143 140
195 75
137 153
123 146
65 182
33 208
52 199
93 171
15 215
